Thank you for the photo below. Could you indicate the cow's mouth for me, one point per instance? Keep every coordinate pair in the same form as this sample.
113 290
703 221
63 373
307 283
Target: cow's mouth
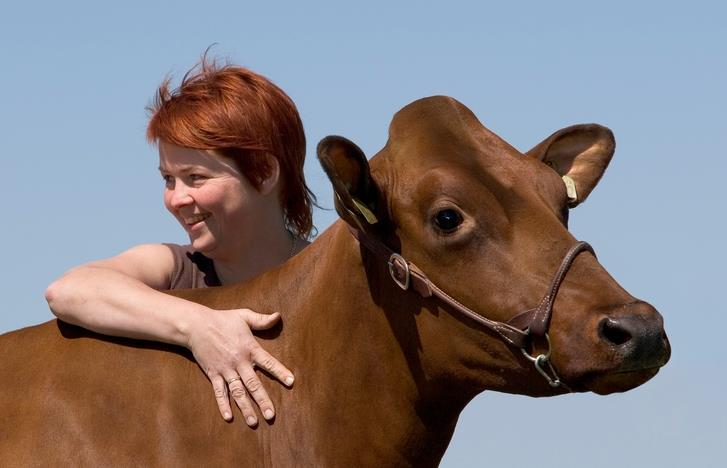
620 381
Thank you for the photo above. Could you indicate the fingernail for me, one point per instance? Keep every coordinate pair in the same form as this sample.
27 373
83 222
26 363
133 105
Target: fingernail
268 414
251 421
227 415
289 380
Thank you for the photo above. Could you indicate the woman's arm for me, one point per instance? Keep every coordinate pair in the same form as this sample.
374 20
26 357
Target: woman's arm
120 297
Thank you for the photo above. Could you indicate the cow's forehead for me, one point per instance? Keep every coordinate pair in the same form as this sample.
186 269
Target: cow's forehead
434 119
439 130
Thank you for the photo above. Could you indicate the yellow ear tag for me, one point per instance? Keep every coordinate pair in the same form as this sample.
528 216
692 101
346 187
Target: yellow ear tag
570 188
364 210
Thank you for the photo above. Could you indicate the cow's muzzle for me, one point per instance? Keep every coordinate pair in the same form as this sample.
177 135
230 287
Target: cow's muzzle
634 334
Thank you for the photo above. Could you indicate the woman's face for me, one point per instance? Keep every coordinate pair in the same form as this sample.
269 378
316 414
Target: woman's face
212 201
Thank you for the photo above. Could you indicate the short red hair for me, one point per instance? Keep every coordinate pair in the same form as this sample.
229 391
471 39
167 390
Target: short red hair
244 116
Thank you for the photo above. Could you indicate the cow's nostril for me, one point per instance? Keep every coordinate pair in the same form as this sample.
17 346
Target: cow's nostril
614 332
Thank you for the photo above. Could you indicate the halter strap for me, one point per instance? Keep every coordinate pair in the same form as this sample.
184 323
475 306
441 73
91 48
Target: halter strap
517 332
537 320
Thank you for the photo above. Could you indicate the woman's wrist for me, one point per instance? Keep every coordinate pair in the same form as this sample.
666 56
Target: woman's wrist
189 322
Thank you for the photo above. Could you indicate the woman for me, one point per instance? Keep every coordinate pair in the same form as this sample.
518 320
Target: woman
231 153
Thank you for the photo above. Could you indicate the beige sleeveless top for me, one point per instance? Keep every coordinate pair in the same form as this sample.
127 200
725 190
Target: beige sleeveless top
191 269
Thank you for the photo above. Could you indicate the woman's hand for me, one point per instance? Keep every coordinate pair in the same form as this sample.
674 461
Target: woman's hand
225 348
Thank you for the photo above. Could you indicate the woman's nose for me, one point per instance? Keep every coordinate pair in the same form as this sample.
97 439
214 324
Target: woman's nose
180 196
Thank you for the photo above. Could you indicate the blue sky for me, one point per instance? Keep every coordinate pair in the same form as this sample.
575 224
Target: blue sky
80 182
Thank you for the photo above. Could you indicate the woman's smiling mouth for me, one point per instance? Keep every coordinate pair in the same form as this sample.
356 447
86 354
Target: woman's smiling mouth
192 220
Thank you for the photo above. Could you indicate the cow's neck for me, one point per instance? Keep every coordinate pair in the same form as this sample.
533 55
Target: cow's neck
357 356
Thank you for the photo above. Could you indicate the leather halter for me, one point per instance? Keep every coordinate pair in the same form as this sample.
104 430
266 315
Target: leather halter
518 331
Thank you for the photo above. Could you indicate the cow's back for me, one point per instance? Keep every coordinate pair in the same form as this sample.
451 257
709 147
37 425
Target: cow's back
68 395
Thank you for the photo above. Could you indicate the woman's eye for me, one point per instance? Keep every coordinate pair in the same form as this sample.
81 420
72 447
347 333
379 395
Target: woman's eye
167 179
448 220
196 177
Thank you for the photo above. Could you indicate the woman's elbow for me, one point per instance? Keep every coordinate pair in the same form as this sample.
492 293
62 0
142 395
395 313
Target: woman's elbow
59 296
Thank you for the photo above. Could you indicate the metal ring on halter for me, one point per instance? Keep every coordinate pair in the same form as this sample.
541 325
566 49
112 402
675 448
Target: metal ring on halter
396 258
546 356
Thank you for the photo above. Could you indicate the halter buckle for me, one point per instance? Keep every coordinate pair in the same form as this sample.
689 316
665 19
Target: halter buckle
396 260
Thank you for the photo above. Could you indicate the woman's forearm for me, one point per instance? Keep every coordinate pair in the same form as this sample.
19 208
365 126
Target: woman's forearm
109 302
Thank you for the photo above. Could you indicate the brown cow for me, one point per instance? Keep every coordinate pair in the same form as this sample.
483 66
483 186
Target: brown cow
382 373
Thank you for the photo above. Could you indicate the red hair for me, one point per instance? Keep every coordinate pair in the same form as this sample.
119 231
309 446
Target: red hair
244 116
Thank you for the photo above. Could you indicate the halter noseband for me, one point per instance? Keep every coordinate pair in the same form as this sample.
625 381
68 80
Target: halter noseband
518 331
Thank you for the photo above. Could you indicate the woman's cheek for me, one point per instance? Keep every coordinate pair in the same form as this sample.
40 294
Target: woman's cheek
167 199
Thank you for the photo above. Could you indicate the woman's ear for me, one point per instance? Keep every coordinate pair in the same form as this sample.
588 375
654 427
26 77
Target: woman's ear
270 183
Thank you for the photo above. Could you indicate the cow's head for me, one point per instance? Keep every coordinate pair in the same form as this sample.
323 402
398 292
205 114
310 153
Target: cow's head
488 225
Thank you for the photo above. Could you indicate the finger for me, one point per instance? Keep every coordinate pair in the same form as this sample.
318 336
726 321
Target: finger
257 392
223 401
239 394
269 364
259 321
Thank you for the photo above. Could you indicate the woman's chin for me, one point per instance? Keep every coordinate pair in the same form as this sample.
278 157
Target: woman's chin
201 244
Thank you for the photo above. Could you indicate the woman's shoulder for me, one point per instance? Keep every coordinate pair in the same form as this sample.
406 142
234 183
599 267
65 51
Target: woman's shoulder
176 249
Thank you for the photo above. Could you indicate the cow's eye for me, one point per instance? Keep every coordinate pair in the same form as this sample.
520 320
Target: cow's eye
447 220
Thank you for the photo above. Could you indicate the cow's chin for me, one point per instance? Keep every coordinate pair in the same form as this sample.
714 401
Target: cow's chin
605 384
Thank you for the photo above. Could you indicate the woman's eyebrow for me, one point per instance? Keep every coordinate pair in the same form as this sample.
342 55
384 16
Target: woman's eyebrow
182 169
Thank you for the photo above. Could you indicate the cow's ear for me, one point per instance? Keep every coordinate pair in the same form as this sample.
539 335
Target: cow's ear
357 197
580 154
